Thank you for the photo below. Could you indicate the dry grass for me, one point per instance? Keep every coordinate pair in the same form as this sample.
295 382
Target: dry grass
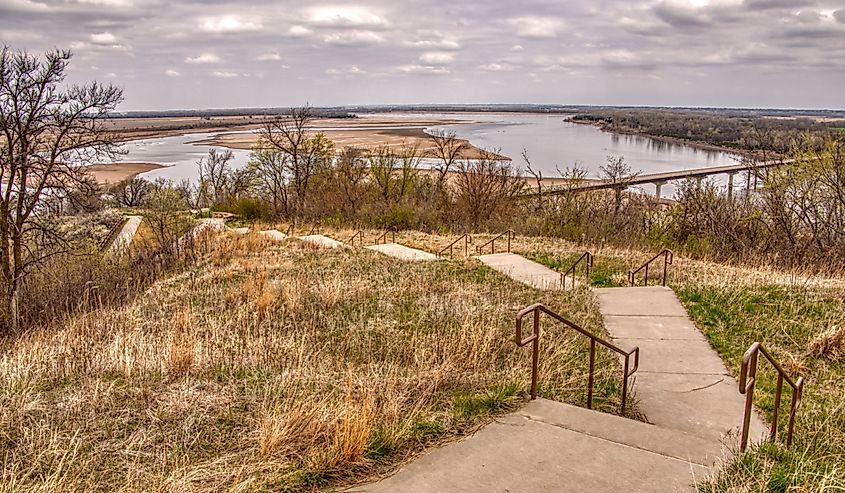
274 367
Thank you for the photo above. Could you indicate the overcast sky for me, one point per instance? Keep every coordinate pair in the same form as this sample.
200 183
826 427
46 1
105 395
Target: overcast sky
221 53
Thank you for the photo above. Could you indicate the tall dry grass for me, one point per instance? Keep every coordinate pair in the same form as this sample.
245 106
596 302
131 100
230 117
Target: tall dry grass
274 367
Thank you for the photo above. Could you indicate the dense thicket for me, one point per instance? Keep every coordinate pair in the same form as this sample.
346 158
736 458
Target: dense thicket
751 133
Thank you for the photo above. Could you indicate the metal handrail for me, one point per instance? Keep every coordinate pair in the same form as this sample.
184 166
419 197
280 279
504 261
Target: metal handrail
587 257
492 242
449 247
314 229
359 235
383 237
668 257
108 240
289 230
537 308
747 382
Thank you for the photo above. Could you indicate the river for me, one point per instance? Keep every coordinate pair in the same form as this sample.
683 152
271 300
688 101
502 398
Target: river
551 142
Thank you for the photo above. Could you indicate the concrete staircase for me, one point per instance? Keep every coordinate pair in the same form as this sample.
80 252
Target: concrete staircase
526 271
683 388
320 241
402 252
682 384
550 446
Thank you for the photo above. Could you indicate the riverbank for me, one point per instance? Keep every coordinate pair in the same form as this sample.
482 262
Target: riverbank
704 146
110 173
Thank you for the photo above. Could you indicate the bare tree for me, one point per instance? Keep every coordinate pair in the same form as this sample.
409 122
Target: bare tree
538 177
486 188
270 166
619 174
47 132
351 169
164 213
131 192
395 172
215 175
306 155
449 149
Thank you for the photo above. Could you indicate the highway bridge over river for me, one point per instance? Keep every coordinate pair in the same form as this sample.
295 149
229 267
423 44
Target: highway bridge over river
660 179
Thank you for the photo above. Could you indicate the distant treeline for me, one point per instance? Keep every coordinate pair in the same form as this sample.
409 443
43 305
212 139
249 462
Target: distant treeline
738 129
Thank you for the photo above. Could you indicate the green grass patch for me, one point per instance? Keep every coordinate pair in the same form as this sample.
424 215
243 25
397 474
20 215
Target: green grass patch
794 324
606 271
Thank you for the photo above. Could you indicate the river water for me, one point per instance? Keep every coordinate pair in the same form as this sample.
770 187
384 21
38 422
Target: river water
551 142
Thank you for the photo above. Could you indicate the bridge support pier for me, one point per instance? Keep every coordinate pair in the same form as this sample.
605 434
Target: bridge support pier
658 186
731 186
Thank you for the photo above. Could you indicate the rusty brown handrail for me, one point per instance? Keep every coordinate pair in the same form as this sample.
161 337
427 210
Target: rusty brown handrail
112 234
537 308
449 247
289 230
492 242
587 257
383 237
314 229
747 382
359 235
668 257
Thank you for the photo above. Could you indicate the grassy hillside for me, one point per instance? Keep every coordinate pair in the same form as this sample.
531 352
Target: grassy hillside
271 367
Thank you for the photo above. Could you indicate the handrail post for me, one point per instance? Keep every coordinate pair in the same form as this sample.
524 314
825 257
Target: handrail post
535 354
509 241
625 383
749 399
590 376
779 388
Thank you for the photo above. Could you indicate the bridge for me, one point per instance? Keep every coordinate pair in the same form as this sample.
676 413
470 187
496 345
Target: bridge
662 178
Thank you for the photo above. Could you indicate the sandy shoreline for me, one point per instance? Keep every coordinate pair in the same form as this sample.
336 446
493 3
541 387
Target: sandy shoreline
110 173
392 138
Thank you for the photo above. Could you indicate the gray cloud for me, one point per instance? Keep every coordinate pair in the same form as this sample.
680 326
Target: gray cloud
217 53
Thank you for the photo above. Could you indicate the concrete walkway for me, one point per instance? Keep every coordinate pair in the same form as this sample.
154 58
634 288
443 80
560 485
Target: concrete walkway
124 237
274 234
550 446
682 383
321 241
402 252
683 388
523 270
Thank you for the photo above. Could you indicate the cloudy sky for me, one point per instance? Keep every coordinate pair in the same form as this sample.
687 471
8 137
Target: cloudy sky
223 53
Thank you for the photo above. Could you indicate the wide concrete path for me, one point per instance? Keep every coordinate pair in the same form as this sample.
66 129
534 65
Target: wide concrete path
321 241
523 270
124 237
682 383
273 234
550 446
402 252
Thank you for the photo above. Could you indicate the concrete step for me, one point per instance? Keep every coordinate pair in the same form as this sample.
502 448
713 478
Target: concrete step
523 270
682 383
550 446
402 252
125 236
321 241
240 231
274 234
